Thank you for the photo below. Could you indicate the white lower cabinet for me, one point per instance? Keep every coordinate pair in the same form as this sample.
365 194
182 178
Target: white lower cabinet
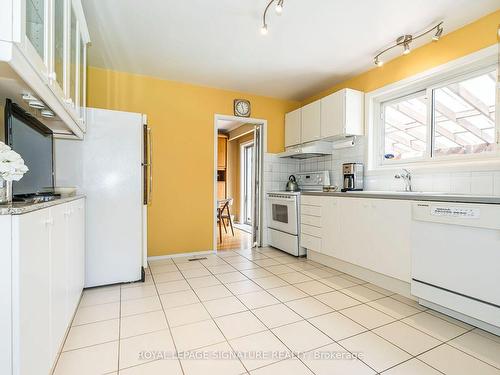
47 282
371 233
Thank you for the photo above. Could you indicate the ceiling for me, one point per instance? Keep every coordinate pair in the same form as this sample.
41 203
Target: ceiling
311 46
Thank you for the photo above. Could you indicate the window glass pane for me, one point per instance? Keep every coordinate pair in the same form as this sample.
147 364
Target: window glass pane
35 25
405 127
464 116
280 213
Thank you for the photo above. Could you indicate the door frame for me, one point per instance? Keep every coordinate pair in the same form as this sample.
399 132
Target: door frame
248 120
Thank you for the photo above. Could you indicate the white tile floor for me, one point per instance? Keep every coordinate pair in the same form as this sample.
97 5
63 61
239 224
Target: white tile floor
262 312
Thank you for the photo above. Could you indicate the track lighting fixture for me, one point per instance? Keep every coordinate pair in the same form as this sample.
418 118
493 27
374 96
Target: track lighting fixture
278 8
406 40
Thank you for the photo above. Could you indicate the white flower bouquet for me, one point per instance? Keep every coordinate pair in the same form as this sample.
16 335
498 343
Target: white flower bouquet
12 167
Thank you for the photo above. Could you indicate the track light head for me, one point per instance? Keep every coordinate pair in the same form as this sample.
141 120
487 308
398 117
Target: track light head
406 49
264 30
438 34
279 8
377 61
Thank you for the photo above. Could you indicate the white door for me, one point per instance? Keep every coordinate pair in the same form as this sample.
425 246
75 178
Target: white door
330 226
113 183
31 301
391 237
311 122
292 127
60 254
332 114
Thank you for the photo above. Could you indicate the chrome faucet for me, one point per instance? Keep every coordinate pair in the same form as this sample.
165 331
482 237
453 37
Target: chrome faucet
406 176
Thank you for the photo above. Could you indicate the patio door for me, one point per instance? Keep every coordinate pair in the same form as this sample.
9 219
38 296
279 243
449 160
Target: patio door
248 155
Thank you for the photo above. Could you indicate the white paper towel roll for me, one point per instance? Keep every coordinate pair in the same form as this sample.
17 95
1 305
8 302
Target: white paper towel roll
344 143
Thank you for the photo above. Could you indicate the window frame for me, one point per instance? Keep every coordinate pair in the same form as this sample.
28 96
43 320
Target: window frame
460 69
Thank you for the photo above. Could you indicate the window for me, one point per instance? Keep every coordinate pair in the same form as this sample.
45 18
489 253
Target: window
443 120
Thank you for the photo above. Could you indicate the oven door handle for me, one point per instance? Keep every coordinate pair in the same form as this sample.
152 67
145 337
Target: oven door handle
275 199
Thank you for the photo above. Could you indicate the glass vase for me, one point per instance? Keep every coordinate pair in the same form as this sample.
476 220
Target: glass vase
5 191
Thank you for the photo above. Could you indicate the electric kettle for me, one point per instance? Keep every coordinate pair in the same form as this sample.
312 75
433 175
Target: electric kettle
292 184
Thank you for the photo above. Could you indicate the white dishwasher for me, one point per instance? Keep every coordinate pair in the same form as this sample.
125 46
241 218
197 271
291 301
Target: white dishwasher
456 260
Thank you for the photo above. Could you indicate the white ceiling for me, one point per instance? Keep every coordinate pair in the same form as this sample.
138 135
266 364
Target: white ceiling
217 43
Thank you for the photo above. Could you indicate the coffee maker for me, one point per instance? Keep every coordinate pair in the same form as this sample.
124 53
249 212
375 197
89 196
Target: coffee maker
353 176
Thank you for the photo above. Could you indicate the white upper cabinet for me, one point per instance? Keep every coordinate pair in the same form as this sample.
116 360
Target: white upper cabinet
293 122
44 42
311 122
342 114
334 117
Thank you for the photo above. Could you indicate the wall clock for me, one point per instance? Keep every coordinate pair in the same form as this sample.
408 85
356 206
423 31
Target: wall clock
241 108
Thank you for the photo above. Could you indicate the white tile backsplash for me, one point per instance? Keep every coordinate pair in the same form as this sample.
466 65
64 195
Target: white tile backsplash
463 182
482 183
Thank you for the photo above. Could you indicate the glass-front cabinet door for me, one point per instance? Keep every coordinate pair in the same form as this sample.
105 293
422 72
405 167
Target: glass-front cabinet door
36 30
59 47
74 38
82 78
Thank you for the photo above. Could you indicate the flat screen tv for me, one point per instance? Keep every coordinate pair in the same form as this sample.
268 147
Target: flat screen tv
34 142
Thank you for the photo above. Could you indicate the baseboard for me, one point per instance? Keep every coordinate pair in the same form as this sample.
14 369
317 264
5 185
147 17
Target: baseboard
386 282
179 255
464 318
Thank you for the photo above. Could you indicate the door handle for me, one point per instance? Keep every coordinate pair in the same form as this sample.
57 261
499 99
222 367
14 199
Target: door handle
150 165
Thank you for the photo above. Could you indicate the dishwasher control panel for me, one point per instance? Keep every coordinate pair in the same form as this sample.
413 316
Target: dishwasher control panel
454 213
450 211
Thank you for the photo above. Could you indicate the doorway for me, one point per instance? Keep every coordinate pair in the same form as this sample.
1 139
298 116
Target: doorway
239 149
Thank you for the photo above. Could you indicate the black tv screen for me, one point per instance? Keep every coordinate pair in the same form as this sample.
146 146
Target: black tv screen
34 142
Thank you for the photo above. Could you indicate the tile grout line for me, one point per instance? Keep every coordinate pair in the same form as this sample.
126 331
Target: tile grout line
369 330
284 303
119 331
361 303
168 325
215 322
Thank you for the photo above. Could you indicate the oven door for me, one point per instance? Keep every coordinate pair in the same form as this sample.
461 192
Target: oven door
282 213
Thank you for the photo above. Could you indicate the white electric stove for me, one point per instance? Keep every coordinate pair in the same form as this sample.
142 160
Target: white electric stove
283 212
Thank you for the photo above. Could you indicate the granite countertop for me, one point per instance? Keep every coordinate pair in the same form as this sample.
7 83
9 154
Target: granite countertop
19 208
414 196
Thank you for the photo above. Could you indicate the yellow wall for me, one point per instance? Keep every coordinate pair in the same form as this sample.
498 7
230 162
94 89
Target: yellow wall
182 119
468 39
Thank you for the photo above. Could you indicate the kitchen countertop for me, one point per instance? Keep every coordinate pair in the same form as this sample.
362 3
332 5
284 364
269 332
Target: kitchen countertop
19 208
414 196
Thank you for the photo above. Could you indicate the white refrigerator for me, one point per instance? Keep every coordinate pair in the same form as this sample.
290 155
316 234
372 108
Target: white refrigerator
115 174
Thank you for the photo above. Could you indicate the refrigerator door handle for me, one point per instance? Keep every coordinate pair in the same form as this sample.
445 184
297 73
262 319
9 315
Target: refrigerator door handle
150 165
